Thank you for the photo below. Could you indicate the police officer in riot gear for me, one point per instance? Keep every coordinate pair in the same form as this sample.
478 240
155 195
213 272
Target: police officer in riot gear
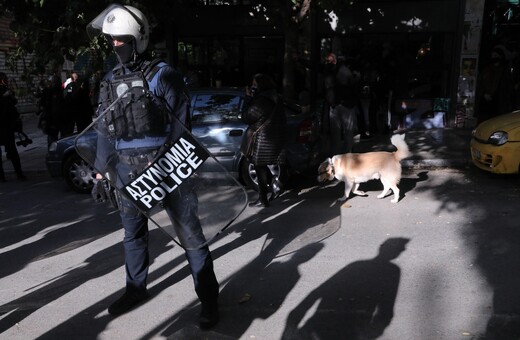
140 124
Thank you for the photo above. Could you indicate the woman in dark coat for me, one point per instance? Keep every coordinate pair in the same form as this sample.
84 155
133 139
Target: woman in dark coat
53 110
265 116
8 118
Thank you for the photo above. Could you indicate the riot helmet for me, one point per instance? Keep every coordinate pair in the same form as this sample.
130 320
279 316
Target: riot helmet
127 29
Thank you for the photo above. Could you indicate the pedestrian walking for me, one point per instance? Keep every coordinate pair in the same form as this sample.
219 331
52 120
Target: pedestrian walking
265 136
340 83
77 103
495 94
53 109
9 118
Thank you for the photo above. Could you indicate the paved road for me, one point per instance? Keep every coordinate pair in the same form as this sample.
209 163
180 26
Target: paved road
307 265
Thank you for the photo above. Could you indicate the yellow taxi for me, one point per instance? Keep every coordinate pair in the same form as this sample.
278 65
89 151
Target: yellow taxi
495 144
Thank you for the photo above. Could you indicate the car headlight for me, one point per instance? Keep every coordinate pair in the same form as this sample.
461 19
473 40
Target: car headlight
53 146
498 138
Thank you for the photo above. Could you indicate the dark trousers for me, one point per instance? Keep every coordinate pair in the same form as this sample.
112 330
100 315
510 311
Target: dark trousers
264 177
137 257
8 140
342 126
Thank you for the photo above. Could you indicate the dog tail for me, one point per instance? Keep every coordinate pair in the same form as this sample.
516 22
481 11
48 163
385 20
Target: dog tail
402 148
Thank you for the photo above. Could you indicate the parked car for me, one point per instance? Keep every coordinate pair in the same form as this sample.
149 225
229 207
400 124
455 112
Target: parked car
217 126
495 145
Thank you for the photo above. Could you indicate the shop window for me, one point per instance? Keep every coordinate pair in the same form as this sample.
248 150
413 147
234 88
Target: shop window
215 62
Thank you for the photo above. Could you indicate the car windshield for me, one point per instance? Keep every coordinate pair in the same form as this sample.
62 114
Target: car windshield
209 108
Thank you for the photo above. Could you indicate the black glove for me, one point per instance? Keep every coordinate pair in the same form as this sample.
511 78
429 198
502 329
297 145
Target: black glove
104 192
98 192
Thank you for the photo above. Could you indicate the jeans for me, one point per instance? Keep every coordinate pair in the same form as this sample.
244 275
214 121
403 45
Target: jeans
182 210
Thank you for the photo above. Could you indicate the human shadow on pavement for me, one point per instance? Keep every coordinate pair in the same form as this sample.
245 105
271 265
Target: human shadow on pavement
260 287
277 225
356 303
256 292
97 265
96 316
34 227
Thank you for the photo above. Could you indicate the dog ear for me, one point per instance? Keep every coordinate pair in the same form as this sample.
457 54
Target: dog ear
329 160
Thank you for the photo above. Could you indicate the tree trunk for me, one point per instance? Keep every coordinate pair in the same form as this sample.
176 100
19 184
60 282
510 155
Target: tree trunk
290 55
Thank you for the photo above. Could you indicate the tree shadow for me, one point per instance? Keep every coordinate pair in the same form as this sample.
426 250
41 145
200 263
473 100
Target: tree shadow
491 202
407 184
356 303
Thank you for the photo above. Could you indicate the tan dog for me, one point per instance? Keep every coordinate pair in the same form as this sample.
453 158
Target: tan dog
356 168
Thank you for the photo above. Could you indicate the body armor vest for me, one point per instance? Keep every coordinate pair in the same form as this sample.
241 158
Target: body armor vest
135 112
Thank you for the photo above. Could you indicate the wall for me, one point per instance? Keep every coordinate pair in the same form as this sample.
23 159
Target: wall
26 101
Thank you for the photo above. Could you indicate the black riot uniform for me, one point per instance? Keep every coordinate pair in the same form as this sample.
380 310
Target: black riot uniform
135 145
139 128
143 108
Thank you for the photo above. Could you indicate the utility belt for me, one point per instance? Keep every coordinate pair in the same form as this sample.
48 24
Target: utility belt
133 157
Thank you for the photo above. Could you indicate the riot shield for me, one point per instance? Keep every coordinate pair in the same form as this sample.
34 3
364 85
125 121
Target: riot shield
179 186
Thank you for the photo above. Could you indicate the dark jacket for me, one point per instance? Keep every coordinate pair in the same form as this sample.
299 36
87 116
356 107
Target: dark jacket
342 86
51 119
269 141
8 114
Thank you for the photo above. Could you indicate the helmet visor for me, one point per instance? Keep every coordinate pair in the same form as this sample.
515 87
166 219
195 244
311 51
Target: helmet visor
95 27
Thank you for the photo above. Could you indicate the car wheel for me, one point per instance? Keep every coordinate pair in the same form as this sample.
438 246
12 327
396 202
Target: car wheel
78 174
248 174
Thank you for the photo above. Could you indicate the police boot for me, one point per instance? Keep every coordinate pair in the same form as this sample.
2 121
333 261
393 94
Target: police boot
209 315
127 302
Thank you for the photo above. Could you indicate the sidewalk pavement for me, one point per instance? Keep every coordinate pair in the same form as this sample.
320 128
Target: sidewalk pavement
429 148
448 147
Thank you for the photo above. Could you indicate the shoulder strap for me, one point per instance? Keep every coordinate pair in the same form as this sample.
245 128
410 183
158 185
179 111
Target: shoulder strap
150 68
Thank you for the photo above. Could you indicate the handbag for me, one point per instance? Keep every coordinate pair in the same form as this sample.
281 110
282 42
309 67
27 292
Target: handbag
250 140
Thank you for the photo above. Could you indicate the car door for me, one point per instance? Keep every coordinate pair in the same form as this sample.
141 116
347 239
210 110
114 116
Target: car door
216 124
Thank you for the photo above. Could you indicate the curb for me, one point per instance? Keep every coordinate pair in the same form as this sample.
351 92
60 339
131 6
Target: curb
435 163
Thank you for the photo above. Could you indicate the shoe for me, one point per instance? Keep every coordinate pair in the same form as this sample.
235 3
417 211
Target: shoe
258 203
277 190
275 195
209 316
21 177
127 302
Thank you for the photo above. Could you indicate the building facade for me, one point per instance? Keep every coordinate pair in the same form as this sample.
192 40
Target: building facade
424 37
23 92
